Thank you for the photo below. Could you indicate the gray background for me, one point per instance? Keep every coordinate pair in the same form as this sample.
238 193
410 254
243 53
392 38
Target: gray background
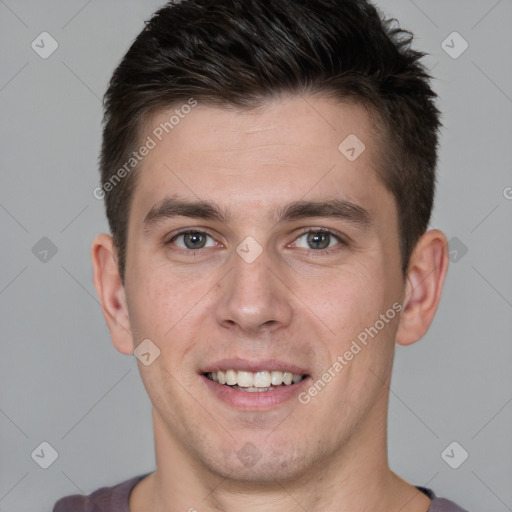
61 379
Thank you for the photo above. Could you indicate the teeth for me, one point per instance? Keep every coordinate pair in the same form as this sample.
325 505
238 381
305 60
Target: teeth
276 378
245 379
262 379
287 378
231 378
296 378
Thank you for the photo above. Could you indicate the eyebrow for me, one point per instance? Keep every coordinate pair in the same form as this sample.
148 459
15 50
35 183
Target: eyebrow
172 206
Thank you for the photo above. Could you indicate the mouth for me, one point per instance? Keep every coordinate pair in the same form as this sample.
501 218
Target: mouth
255 382
254 386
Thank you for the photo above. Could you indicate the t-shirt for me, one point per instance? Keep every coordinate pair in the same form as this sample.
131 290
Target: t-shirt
116 499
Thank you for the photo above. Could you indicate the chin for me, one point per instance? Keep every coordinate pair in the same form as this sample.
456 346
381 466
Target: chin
259 464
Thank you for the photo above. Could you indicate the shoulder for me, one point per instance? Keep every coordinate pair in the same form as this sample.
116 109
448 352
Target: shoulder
440 504
444 505
105 499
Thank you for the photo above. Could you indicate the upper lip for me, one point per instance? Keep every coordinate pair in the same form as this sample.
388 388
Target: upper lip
253 365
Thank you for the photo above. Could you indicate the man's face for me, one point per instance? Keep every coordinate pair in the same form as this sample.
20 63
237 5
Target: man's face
261 293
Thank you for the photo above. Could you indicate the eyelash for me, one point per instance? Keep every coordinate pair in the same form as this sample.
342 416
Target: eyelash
303 231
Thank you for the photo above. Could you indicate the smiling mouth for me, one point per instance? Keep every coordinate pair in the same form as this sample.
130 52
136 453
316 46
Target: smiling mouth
255 381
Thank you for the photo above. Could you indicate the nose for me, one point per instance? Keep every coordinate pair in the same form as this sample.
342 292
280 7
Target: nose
254 297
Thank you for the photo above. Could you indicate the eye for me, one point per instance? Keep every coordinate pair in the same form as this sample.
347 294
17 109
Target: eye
313 239
320 239
192 239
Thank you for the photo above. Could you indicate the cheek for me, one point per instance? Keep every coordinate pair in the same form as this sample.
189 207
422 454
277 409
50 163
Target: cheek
166 307
352 308
351 296
154 305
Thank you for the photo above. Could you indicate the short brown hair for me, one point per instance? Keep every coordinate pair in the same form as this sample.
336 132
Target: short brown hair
240 52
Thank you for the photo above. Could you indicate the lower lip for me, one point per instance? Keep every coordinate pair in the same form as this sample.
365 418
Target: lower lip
256 400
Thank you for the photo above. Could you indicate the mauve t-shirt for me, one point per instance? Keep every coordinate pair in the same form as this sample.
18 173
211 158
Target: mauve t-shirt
116 499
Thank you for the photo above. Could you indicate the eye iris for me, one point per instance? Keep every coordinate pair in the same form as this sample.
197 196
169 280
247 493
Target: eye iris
194 238
316 237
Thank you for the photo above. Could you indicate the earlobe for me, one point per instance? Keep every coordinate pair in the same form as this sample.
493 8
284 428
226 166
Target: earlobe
111 292
425 279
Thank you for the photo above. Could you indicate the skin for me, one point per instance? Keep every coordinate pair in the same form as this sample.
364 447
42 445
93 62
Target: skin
294 302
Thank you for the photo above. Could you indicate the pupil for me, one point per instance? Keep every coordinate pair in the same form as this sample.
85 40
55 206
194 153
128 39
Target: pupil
194 238
314 238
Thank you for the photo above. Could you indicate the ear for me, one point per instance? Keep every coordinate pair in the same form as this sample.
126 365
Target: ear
425 279
111 293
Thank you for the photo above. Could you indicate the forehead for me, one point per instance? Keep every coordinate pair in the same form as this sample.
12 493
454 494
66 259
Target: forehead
289 148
